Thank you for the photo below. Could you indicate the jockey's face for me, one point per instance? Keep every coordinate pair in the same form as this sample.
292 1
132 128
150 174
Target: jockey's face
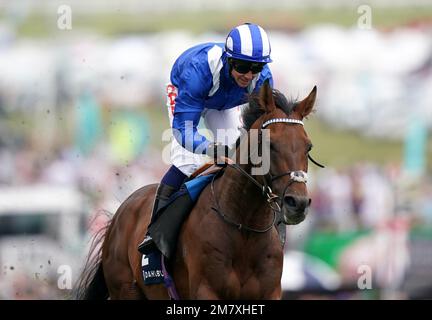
242 79
243 72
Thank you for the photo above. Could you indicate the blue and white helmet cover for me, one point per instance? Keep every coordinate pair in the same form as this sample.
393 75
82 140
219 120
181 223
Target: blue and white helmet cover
248 42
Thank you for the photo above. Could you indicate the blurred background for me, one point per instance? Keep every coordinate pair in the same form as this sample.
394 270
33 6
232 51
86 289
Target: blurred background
82 111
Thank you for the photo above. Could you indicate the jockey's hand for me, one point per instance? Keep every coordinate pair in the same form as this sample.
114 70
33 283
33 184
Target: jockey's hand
219 153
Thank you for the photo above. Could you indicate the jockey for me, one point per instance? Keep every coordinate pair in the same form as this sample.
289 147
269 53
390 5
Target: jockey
209 81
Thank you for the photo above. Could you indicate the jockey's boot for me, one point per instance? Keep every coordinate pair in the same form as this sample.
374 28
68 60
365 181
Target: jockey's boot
163 194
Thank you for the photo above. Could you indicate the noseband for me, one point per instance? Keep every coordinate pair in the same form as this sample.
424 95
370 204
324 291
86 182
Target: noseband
272 199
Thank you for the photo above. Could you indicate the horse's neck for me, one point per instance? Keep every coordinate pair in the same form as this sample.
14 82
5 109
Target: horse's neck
240 198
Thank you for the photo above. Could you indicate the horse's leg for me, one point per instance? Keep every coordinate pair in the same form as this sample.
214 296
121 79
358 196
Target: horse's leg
276 294
120 279
127 282
204 292
190 278
120 257
130 291
118 273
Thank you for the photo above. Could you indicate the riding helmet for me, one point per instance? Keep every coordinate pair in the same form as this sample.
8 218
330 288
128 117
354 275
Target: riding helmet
248 42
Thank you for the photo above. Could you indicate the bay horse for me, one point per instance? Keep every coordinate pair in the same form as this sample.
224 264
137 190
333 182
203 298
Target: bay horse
228 247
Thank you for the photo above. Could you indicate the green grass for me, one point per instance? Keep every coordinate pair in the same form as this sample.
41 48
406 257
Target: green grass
36 25
343 147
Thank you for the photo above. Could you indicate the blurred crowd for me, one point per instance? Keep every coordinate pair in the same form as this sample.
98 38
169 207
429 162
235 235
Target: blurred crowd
365 195
105 181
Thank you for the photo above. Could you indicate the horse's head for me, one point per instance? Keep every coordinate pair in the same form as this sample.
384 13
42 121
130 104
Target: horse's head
289 146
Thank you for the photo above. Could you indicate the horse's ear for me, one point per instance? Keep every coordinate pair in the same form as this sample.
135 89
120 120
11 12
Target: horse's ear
306 105
266 99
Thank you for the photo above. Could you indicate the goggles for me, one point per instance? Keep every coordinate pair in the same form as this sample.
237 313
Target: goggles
243 67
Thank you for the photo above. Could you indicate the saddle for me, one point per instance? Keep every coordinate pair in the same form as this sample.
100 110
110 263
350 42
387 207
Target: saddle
166 228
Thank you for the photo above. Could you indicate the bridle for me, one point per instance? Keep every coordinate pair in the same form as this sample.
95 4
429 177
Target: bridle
272 199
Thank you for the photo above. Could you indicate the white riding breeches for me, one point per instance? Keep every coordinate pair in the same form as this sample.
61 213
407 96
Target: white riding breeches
222 126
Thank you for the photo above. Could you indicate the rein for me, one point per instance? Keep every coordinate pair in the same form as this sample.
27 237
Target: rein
272 199
224 217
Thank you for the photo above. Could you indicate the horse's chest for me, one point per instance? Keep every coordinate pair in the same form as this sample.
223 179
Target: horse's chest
249 281
248 285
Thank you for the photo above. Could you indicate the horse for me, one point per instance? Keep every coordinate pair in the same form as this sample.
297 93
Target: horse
228 246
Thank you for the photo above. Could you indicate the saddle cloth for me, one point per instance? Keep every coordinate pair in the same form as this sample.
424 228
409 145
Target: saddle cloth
167 226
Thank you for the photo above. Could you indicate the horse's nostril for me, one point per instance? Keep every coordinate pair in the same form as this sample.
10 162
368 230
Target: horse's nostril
297 202
290 201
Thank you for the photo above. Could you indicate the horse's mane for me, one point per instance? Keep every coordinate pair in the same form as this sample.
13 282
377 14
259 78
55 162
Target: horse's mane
253 110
